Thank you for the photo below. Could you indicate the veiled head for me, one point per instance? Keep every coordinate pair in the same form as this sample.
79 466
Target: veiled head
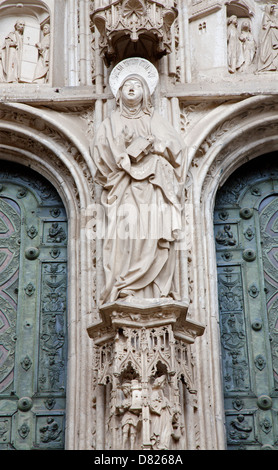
133 91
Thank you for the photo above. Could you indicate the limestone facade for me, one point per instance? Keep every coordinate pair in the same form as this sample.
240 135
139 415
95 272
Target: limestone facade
218 72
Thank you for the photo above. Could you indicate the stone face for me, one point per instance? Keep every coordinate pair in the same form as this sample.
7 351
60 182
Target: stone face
217 99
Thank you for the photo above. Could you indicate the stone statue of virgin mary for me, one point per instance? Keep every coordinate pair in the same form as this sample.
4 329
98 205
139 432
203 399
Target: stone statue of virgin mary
139 160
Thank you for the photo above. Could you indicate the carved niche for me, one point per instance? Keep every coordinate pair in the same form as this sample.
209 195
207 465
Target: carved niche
24 42
134 28
241 44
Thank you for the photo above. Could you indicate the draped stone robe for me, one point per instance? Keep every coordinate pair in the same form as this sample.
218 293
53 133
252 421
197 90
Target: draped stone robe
140 262
268 58
12 56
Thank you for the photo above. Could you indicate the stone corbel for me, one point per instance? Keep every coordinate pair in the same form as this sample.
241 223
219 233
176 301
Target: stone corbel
142 351
124 22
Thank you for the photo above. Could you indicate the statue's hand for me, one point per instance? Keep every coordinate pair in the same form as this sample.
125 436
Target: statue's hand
124 162
158 147
128 136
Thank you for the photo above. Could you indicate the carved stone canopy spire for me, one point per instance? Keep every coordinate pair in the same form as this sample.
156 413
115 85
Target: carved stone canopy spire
134 28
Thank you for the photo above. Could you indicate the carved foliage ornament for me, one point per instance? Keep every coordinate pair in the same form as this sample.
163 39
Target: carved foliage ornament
134 20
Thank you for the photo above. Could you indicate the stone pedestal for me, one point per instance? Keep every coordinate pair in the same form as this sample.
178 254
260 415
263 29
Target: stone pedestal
144 372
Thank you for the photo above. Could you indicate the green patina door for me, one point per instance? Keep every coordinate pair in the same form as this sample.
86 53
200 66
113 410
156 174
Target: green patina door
246 236
33 291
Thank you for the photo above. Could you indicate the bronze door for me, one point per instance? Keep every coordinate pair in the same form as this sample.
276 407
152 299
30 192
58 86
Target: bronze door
246 236
33 291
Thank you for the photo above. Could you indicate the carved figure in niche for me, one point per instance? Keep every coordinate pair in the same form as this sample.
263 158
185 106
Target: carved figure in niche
234 55
131 408
161 416
139 160
42 69
248 46
11 53
225 237
268 57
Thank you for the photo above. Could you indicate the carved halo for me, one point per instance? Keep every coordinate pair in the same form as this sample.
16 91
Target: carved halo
133 65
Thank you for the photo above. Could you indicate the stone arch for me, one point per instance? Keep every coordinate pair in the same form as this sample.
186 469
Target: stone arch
223 140
242 8
40 140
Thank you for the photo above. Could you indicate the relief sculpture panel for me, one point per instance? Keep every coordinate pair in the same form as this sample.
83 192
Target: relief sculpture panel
252 41
25 47
33 309
9 271
233 329
247 292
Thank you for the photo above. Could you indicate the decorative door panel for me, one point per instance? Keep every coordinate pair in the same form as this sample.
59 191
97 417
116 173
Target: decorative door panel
33 306
246 238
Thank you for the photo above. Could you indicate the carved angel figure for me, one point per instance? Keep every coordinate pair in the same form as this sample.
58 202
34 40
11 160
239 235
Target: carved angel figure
139 160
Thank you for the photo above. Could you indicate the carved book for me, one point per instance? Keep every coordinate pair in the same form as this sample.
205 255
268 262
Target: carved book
138 148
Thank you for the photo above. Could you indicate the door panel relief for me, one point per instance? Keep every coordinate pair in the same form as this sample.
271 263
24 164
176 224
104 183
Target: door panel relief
246 237
33 283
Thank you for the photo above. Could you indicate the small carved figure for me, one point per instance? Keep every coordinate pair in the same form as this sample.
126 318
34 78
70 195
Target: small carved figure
234 55
51 431
42 69
248 47
225 237
12 53
56 233
268 57
131 416
240 429
161 416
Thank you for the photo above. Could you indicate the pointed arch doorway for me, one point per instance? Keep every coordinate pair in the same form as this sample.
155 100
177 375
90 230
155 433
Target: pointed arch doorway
246 240
33 299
